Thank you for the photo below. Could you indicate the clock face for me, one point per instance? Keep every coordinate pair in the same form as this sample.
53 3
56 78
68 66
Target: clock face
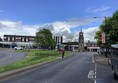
80 33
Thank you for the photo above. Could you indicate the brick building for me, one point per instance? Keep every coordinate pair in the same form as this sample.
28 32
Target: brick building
92 46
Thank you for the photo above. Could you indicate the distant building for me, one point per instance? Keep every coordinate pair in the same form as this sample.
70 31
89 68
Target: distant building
71 46
59 41
0 39
11 41
92 46
18 38
81 42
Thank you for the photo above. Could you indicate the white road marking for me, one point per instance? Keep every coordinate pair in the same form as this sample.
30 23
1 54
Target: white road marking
91 74
93 61
95 81
95 76
95 72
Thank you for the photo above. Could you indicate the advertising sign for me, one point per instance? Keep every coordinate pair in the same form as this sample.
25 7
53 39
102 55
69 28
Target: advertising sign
103 37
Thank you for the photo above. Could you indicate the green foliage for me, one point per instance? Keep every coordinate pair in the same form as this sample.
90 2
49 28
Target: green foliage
110 27
44 38
33 57
98 37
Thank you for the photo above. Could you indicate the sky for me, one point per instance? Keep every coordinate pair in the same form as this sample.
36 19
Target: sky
63 17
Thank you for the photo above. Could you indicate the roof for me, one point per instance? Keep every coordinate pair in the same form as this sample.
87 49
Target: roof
71 43
17 36
91 42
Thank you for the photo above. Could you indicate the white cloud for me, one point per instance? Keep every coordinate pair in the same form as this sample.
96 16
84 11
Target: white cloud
58 28
89 33
100 9
13 27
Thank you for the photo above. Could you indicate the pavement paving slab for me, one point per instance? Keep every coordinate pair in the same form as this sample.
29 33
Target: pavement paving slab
101 59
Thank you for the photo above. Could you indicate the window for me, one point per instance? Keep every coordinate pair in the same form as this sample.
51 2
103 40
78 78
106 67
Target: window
5 37
8 38
18 37
26 39
22 39
12 38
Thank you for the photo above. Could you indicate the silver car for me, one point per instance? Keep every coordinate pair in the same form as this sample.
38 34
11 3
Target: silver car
18 48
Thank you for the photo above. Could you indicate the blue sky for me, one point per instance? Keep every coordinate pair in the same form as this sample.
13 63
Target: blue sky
72 15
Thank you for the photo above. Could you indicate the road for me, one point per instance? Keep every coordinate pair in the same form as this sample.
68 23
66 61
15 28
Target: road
7 56
78 68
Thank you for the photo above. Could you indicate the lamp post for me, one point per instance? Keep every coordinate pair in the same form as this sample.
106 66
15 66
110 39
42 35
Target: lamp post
106 53
105 43
106 37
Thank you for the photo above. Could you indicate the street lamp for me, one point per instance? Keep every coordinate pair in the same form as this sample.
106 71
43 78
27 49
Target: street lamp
105 43
106 39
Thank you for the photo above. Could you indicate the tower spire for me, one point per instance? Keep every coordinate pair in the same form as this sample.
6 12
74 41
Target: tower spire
81 29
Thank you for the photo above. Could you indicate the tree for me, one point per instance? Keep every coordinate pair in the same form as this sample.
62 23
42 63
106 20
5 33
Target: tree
44 39
110 27
98 37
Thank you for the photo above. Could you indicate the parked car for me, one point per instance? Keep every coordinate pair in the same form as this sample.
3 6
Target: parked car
114 59
18 48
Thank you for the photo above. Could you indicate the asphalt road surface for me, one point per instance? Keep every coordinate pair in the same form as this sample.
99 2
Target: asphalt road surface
78 68
7 56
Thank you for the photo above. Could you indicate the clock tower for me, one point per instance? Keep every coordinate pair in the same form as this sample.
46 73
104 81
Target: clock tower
81 42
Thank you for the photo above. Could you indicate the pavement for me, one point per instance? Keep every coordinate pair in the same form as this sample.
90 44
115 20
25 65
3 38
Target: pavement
101 59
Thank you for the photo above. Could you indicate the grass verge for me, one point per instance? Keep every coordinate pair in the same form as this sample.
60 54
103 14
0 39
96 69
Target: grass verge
33 57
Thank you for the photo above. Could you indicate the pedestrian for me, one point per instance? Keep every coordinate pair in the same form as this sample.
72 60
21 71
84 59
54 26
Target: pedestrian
62 51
